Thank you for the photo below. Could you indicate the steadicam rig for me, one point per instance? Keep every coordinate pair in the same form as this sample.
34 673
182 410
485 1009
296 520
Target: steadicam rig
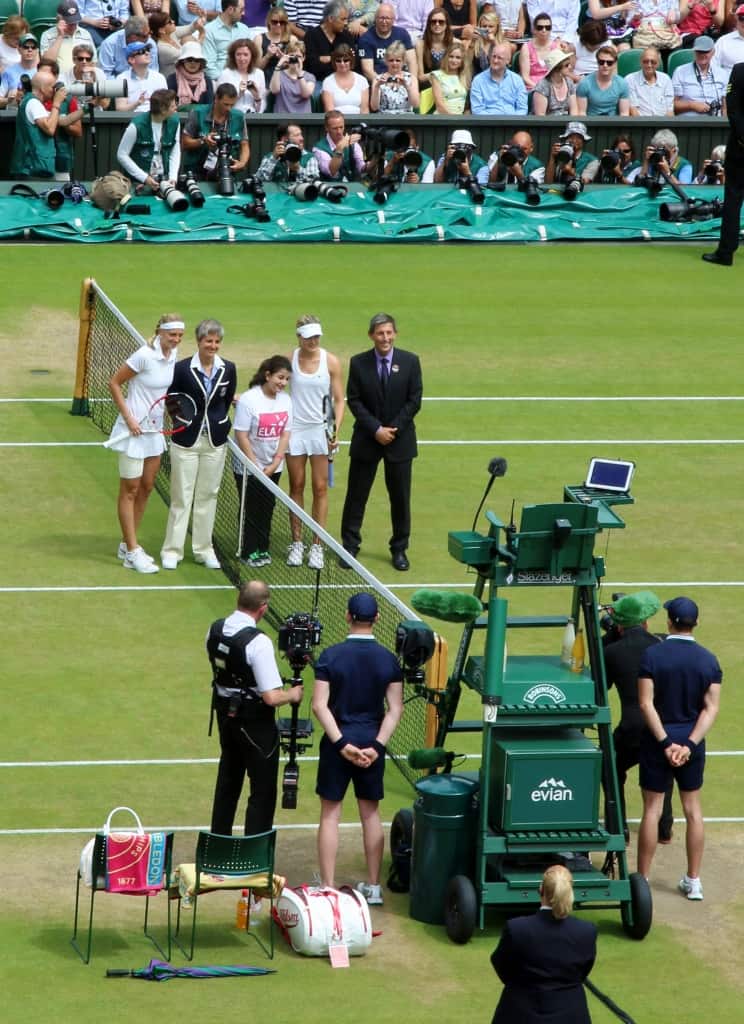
297 638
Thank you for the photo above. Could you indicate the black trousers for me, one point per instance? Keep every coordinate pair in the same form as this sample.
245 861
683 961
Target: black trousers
257 514
398 483
627 752
733 196
248 748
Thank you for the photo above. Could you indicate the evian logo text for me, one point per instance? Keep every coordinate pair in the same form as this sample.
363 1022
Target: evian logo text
551 790
546 691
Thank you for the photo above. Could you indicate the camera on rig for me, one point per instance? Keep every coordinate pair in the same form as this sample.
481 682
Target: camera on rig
469 184
187 183
691 210
297 636
414 646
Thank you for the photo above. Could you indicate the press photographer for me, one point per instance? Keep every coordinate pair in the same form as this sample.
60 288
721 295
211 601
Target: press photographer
288 162
617 165
339 155
569 164
460 161
216 131
514 164
38 125
358 700
410 165
713 172
247 687
150 150
662 157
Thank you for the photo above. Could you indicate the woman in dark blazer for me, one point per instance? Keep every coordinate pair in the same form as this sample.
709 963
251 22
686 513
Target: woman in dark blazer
197 454
543 959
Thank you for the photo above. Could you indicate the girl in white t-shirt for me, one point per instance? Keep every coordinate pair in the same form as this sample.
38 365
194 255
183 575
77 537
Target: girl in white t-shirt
147 374
316 374
263 423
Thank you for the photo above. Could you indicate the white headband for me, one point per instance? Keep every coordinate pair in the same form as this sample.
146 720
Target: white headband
172 325
310 330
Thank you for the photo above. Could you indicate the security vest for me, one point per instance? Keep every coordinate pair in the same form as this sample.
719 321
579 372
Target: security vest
143 149
34 152
194 158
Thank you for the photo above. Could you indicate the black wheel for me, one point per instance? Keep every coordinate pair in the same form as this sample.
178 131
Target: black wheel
460 909
401 830
638 913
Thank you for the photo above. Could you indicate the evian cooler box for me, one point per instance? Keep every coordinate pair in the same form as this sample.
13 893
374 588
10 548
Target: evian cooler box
543 780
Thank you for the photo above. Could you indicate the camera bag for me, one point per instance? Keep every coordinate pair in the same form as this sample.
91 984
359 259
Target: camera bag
312 917
111 191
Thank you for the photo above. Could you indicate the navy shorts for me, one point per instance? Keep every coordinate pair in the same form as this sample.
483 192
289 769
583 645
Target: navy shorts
654 771
335 773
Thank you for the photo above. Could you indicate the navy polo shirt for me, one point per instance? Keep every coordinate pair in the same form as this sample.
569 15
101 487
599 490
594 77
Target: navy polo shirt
358 672
681 670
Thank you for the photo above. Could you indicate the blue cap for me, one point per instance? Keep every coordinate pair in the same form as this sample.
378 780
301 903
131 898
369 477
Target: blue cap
362 608
682 609
132 48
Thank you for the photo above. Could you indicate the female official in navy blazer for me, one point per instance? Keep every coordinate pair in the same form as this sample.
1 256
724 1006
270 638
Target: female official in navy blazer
198 453
543 959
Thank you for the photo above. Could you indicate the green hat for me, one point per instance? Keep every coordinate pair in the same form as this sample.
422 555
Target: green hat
633 609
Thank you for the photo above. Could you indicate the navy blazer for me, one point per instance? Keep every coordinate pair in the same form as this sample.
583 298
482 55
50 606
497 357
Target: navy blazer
543 962
215 409
397 408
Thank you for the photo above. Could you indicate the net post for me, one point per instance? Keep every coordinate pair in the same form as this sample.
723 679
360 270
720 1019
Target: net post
86 316
436 679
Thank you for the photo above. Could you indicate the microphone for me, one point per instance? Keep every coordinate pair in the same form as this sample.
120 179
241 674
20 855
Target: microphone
496 467
451 607
425 759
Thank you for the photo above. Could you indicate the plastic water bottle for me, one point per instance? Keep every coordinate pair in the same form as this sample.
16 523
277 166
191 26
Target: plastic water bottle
578 652
256 904
243 911
569 638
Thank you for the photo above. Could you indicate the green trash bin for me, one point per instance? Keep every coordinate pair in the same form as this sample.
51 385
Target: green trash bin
444 828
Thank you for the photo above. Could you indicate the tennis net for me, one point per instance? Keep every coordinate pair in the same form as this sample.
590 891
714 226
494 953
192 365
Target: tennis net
247 501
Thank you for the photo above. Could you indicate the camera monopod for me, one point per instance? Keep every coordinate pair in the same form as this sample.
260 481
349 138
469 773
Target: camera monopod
609 1003
297 636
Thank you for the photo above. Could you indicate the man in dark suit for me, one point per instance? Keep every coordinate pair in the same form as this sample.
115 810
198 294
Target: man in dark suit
384 395
733 189
198 453
544 959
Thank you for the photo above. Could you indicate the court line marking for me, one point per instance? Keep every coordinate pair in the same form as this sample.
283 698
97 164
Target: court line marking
513 442
503 398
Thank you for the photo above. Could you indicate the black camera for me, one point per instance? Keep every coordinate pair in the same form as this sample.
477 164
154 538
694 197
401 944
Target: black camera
223 152
473 189
511 156
328 190
460 155
691 210
25 83
565 153
377 140
531 191
115 23
607 623
412 159
657 154
292 153
572 188
610 160
294 59
187 184
711 172
651 183
297 636
715 108
384 188
414 645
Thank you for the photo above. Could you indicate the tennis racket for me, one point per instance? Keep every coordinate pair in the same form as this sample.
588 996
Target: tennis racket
170 414
329 415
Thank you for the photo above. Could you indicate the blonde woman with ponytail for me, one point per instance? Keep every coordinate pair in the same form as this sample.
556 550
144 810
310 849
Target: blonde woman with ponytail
147 374
544 959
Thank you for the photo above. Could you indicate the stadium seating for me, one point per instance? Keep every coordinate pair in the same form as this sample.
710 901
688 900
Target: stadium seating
678 58
40 14
7 9
628 61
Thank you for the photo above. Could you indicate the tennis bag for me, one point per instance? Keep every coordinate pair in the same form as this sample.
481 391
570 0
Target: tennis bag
135 860
314 916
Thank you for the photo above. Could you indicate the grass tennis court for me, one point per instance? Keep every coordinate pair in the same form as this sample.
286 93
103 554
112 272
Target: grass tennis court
95 674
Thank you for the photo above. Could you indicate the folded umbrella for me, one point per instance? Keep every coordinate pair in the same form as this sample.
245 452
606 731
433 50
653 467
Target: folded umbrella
160 970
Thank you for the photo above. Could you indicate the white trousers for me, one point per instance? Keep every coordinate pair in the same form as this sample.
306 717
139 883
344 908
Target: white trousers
196 475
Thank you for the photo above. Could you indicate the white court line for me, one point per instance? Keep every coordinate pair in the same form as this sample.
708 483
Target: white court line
514 442
507 398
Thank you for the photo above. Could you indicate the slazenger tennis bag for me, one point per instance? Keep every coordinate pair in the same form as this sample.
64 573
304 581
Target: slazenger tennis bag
313 916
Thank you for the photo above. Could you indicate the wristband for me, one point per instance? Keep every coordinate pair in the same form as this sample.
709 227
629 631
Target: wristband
665 743
379 747
340 744
691 744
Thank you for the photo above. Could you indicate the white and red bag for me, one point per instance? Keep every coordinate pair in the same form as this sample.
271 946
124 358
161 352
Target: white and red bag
135 860
314 917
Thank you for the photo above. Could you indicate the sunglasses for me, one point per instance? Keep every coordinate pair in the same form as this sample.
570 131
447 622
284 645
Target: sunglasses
342 60
84 60
606 63
543 28
625 152
437 21
277 21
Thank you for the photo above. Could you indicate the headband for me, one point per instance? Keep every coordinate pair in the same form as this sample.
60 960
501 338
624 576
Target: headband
310 330
172 325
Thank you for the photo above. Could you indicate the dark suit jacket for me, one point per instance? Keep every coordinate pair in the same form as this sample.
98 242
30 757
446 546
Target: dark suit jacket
396 409
543 963
216 408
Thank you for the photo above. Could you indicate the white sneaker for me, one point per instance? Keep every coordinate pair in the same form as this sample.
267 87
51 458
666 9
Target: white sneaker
692 888
209 561
121 553
169 561
296 551
139 561
371 893
315 559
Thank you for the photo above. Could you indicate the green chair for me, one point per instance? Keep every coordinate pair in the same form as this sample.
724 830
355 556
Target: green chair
628 61
99 885
677 58
7 9
554 538
236 857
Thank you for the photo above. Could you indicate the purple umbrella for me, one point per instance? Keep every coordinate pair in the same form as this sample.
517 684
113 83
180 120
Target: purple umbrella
160 970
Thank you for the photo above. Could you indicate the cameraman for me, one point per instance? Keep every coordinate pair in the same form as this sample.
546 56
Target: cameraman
622 648
661 156
150 150
34 150
247 688
514 162
210 128
339 155
460 161
712 172
581 165
277 166
411 165
358 700
616 165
